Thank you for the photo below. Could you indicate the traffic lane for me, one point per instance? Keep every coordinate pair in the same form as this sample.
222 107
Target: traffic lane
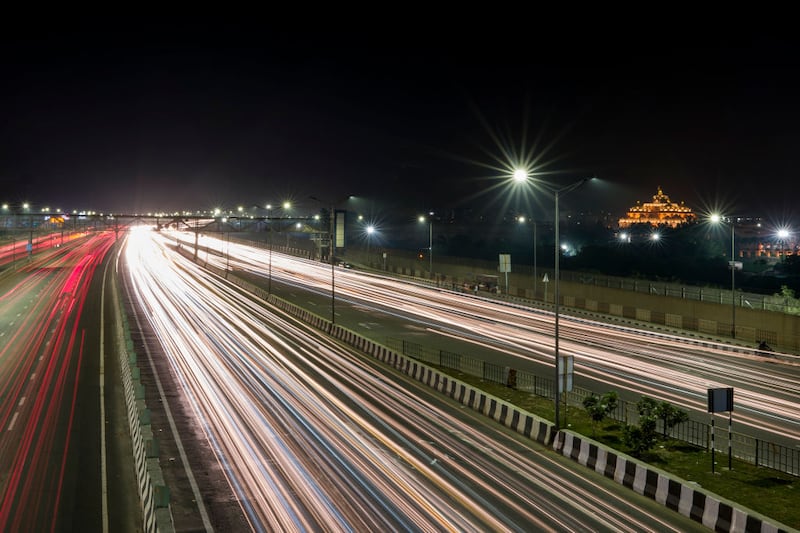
425 441
295 465
605 357
53 349
517 461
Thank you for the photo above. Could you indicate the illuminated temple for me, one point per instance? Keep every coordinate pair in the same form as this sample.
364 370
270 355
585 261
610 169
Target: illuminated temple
660 212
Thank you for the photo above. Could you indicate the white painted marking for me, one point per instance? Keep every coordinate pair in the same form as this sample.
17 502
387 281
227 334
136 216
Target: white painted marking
33 375
21 401
13 421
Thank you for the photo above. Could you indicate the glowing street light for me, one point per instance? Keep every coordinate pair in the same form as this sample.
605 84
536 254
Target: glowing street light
429 220
369 230
521 175
718 219
269 222
521 220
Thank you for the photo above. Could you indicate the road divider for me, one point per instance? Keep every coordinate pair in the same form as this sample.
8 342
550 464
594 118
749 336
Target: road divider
153 492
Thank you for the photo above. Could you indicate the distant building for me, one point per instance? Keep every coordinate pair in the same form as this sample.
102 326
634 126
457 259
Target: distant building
660 212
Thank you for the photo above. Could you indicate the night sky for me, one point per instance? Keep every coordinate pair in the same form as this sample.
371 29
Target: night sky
134 115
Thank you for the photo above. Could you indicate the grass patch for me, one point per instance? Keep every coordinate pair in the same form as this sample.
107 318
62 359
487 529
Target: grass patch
768 492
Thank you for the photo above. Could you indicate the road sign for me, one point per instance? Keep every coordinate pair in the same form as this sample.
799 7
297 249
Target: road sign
505 263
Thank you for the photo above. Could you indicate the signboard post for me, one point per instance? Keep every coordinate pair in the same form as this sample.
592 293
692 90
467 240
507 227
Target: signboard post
505 266
719 401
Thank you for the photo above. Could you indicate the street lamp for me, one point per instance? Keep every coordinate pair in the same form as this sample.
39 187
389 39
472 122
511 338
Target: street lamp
521 175
269 223
521 220
782 236
331 252
370 229
717 219
430 240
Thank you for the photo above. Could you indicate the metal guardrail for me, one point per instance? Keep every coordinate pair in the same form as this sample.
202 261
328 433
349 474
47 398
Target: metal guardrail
744 447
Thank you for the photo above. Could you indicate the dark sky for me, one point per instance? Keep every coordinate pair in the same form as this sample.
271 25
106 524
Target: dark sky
129 115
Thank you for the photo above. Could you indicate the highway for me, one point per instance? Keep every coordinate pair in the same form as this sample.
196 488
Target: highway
635 363
47 352
314 436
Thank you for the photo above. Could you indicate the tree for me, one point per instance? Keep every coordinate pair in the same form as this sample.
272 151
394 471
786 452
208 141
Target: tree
599 407
640 438
670 415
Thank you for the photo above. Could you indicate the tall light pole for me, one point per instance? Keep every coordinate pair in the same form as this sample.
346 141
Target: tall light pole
331 252
370 229
521 220
521 175
286 207
269 223
717 219
430 241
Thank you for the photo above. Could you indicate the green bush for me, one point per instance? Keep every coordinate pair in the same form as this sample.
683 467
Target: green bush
600 407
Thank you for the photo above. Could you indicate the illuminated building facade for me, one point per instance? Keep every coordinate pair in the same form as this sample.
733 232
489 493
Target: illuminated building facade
660 212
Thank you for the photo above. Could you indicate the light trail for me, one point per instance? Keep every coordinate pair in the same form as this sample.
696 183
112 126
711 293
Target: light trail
659 365
40 361
312 436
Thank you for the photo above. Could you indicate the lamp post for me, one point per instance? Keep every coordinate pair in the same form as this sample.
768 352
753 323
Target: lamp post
717 219
370 229
331 252
521 220
521 175
269 223
782 236
286 207
430 241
